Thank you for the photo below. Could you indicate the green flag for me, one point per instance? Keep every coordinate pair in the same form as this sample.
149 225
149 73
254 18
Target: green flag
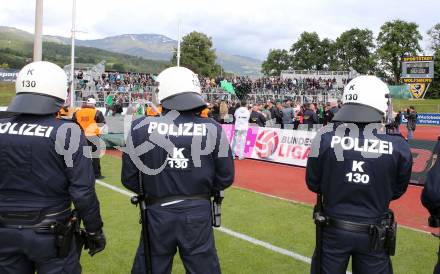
227 87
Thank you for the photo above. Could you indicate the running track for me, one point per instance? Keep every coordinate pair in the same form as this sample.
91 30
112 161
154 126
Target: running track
288 182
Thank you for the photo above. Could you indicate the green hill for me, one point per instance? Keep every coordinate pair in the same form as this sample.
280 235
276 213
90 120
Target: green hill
16 48
7 91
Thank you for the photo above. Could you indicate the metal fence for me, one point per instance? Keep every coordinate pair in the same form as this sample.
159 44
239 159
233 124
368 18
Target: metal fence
214 94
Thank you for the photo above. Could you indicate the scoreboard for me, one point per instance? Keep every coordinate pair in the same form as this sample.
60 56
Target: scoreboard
417 69
418 73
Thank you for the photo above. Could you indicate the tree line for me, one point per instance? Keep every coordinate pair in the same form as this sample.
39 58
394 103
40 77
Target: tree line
356 49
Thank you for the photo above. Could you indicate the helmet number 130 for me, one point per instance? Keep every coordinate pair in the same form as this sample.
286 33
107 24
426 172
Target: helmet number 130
28 83
351 97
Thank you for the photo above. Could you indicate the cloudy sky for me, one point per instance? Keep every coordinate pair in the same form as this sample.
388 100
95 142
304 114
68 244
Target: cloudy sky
244 27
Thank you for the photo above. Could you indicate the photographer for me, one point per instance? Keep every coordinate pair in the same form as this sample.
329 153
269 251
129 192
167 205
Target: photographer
411 116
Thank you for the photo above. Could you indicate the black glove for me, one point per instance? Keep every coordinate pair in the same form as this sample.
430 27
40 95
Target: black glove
95 242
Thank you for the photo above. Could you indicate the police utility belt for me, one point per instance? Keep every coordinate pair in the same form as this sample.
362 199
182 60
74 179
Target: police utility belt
215 203
382 235
170 199
63 225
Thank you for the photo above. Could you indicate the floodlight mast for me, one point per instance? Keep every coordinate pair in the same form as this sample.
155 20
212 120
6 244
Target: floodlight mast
72 60
178 46
38 42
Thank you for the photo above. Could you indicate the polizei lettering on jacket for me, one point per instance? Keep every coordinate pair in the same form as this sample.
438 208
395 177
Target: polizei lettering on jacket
25 129
186 129
363 145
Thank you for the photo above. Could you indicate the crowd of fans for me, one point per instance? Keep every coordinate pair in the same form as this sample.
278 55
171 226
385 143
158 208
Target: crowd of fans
277 85
128 88
285 114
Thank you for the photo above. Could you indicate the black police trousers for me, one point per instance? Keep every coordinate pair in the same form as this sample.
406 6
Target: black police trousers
187 226
26 252
339 245
96 162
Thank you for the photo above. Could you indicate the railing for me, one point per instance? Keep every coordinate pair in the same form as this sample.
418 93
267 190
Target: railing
317 72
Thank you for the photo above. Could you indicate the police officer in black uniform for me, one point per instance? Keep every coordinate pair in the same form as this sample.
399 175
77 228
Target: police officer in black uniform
40 178
178 179
431 197
358 169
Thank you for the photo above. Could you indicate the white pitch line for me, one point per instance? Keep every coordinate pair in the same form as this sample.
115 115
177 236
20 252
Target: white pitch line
117 189
265 245
232 233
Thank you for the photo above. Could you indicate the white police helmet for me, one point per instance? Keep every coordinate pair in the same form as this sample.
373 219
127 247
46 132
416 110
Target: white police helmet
364 100
41 88
179 89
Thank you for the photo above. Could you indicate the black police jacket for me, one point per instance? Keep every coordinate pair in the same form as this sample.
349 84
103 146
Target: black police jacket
257 118
431 189
310 118
34 176
170 168
358 187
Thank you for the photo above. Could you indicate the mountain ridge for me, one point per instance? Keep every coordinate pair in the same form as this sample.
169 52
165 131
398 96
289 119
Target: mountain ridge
152 46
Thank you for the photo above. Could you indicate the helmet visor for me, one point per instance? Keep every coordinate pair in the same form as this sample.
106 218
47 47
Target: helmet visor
358 113
184 101
34 103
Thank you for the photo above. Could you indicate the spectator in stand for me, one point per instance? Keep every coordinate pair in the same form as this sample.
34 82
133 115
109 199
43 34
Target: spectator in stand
231 112
310 116
339 101
267 115
108 103
117 105
278 114
288 115
333 109
300 116
242 117
257 117
224 112
216 111
397 122
271 108
411 116
327 114
320 112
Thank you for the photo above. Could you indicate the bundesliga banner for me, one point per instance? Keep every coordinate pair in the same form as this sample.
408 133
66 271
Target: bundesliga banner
276 145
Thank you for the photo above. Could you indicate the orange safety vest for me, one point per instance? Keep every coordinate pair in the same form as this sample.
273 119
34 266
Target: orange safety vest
86 119
204 113
150 111
63 113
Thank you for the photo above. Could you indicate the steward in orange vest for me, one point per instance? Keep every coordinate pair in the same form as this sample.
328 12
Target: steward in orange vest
64 113
204 113
151 111
88 118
